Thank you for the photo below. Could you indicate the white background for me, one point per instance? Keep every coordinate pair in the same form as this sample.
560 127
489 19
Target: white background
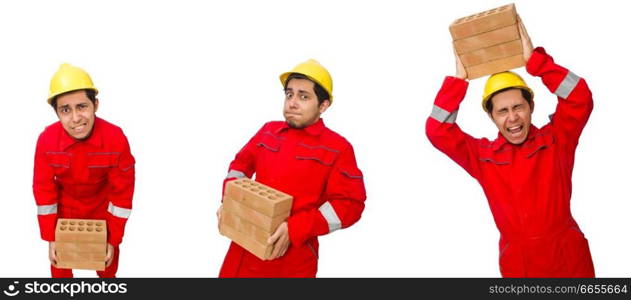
191 81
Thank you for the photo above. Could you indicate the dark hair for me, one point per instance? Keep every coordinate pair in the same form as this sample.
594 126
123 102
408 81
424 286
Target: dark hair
524 93
91 94
320 92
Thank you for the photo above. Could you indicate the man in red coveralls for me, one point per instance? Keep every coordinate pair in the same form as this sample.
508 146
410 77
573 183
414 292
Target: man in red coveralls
83 167
526 172
304 158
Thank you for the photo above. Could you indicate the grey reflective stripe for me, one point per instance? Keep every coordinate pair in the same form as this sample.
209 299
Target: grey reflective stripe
235 174
444 116
567 85
47 209
119 211
331 217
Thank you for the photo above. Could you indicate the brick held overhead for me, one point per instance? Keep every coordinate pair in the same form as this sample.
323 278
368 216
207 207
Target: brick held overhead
487 39
491 53
485 21
495 66
488 42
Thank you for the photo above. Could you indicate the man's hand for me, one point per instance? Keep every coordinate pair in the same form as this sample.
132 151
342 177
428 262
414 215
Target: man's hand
52 253
109 255
461 72
280 239
219 217
526 43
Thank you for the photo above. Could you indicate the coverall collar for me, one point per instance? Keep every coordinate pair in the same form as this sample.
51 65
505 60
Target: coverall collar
94 139
314 129
501 140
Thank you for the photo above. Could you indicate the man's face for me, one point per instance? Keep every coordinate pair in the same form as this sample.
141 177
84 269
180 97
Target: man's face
76 113
301 103
511 114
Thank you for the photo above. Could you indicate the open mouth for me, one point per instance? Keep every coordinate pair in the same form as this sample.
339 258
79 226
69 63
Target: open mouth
515 131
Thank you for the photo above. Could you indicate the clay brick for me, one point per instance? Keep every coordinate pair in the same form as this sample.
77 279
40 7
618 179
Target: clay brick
491 53
485 21
80 256
487 39
253 216
259 197
81 244
81 247
83 265
243 226
81 231
261 251
496 66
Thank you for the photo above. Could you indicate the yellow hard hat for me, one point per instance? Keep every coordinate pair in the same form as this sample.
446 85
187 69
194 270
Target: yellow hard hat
500 81
316 72
69 78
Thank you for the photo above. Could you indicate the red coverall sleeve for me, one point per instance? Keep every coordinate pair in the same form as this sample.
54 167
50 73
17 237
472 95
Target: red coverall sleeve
244 162
344 197
575 99
121 181
45 192
442 130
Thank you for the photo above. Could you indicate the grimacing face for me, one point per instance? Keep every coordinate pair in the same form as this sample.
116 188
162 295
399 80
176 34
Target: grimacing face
512 115
76 113
301 107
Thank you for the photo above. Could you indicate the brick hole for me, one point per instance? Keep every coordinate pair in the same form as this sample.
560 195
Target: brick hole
63 228
64 222
99 229
71 228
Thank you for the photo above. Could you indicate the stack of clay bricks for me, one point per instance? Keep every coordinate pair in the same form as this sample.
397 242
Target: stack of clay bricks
251 212
81 244
488 42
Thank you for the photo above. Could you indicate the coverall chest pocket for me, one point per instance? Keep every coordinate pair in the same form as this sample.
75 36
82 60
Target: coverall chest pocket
316 155
269 142
539 145
101 163
59 161
501 157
